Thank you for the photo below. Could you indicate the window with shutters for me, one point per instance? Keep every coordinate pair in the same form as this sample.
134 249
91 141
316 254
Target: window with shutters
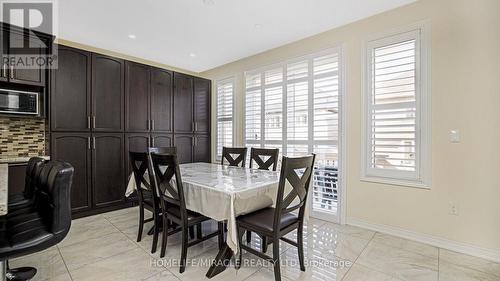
396 111
294 106
225 91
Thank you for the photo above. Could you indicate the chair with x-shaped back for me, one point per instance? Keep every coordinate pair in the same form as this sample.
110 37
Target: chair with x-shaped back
276 222
166 178
258 155
237 161
148 199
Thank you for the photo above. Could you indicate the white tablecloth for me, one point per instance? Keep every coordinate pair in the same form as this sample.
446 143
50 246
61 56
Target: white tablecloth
223 192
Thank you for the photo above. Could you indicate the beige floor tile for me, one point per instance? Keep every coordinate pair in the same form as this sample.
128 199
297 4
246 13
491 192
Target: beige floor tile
406 245
333 243
49 265
350 230
163 276
319 266
88 228
361 273
121 212
452 272
92 250
311 225
199 265
475 263
399 263
130 265
264 275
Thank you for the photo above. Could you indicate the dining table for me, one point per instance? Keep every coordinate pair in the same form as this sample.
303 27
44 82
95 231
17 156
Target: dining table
223 193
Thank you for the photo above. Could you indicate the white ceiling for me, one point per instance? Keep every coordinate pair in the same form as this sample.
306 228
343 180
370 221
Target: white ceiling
198 35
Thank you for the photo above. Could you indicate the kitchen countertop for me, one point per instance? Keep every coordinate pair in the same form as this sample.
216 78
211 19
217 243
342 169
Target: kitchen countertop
14 160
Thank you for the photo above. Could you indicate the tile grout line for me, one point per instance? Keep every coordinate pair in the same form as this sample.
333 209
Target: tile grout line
135 243
360 253
64 261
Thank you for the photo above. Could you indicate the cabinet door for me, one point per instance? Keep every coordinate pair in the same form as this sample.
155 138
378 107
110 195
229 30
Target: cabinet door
18 46
183 103
202 105
136 143
161 140
136 97
107 93
70 97
201 148
108 169
161 100
184 144
74 148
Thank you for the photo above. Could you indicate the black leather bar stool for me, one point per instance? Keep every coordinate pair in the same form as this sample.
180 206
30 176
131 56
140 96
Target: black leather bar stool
47 224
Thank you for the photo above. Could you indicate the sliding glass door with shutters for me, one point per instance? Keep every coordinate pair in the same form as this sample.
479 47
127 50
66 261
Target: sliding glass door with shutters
295 106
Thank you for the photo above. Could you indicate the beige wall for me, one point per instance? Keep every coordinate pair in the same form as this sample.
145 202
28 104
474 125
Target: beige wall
465 95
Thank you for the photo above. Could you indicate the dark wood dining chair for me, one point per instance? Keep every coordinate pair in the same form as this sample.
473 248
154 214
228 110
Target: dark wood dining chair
240 156
147 196
165 167
276 222
258 155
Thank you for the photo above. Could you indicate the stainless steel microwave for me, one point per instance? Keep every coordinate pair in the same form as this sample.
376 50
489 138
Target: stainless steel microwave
19 102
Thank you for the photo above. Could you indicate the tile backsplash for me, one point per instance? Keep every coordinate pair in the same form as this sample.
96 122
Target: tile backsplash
22 137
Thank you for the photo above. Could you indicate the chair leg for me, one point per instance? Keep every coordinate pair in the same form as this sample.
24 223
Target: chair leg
164 236
191 232
199 232
141 223
220 236
240 251
249 236
276 259
156 221
264 244
300 247
184 248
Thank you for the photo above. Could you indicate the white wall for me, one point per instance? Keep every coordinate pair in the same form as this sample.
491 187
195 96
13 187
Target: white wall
465 95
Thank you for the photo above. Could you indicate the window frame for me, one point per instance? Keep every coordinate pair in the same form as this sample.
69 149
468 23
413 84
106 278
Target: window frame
218 82
420 178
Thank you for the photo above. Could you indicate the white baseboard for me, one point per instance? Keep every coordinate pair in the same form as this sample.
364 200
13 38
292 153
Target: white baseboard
432 240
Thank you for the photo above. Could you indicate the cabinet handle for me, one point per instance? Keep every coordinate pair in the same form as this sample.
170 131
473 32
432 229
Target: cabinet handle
88 121
152 124
152 140
4 70
11 72
93 143
93 121
148 125
88 142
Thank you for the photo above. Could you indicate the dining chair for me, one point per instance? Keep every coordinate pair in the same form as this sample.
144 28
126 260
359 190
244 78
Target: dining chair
239 159
165 168
147 197
276 222
173 150
258 155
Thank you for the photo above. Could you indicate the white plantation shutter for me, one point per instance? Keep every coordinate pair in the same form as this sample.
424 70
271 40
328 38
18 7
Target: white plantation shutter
225 91
294 106
395 131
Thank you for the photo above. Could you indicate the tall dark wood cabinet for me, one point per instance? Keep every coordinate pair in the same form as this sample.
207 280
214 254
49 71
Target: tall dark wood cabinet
70 99
102 107
108 169
108 94
76 148
183 103
137 101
